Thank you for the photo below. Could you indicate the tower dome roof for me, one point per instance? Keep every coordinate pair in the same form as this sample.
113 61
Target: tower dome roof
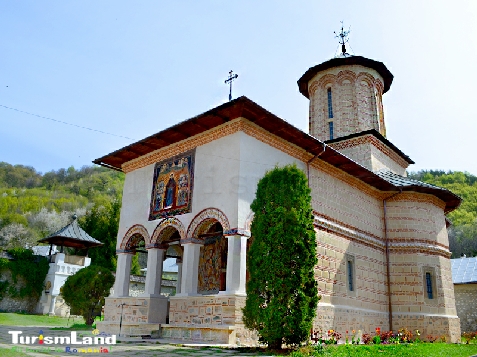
345 61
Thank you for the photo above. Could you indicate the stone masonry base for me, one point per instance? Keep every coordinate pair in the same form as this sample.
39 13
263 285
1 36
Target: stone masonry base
344 318
137 315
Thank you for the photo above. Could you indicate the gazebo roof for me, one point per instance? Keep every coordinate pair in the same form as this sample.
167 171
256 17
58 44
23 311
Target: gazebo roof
72 236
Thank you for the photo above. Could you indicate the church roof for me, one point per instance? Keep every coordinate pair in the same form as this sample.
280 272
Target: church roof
246 108
71 236
345 61
378 136
408 184
464 270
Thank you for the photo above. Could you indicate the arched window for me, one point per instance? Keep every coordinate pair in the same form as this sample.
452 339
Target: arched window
330 104
429 291
330 127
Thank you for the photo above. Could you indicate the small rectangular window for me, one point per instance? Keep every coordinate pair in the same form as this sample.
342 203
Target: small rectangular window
330 125
350 276
330 105
429 286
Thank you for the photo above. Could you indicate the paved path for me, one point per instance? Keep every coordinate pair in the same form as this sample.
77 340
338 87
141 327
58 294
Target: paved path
129 348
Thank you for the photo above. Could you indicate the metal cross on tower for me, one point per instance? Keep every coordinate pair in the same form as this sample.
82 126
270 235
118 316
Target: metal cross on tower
343 38
229 81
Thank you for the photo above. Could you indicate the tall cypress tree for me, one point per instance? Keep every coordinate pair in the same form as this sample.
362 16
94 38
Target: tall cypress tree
282 292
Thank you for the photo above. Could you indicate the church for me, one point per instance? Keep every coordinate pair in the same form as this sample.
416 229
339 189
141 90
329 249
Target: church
382 244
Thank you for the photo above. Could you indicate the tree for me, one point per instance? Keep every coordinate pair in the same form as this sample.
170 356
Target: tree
102 223
16 235
85 291
282 292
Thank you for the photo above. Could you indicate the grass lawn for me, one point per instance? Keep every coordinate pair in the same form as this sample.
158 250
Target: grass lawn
402 350
4 352
13 319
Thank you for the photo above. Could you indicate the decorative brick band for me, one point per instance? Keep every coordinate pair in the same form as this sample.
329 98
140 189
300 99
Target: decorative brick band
207 216
184 145
166 228
418 197
348 232
370 139
419 241
129 238
242 124
400 245
413 248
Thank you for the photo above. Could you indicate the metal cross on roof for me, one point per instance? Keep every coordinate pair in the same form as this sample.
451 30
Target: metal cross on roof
343 36
229 80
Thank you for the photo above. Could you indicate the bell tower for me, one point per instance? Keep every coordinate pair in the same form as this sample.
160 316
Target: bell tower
346 110
345 96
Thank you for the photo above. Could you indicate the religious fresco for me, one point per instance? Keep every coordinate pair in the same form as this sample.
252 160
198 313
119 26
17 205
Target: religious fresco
172 186
212 265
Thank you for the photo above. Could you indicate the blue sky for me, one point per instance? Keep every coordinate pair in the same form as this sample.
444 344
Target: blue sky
135 68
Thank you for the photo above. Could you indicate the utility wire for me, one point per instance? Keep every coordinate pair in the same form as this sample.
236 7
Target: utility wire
63 122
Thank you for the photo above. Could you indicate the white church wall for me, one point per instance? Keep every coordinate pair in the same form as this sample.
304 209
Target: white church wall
256 158
216 173
136 199
216 177
345 203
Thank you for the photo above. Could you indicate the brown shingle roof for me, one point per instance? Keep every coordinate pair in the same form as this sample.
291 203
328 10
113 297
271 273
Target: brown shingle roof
345 61
246 108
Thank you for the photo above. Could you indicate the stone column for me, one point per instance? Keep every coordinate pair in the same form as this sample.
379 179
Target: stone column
123 270
236 265
155 258
179 275
52 305
190 269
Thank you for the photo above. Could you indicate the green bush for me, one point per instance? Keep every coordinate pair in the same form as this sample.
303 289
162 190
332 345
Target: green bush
84 291
282 292
30 268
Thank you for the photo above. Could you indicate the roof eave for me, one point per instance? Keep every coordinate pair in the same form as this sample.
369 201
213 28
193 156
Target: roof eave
345 61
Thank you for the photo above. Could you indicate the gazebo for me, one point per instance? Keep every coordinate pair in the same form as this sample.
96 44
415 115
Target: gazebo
63 265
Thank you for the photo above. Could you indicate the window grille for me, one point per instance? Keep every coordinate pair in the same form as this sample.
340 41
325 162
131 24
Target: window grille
350 275
330 105
429 286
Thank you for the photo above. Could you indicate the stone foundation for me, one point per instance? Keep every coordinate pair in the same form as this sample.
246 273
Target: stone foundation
208 318
347 318
215 334
437 326
344 319
140 315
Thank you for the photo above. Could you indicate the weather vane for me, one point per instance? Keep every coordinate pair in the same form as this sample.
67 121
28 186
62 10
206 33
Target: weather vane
343 36
229 81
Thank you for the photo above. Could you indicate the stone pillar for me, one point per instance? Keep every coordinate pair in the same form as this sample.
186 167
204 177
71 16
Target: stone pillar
179 275
52 305
190 269
123 270
155 258
236 265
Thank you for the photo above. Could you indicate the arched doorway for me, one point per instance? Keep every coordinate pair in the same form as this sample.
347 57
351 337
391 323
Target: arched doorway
212 258
166 239
134 241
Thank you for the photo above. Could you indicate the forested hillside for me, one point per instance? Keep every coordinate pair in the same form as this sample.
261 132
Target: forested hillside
34 205
463 232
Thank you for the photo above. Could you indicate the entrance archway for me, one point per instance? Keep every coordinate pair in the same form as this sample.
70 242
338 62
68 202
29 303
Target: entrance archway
134 241
166 238
212 258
